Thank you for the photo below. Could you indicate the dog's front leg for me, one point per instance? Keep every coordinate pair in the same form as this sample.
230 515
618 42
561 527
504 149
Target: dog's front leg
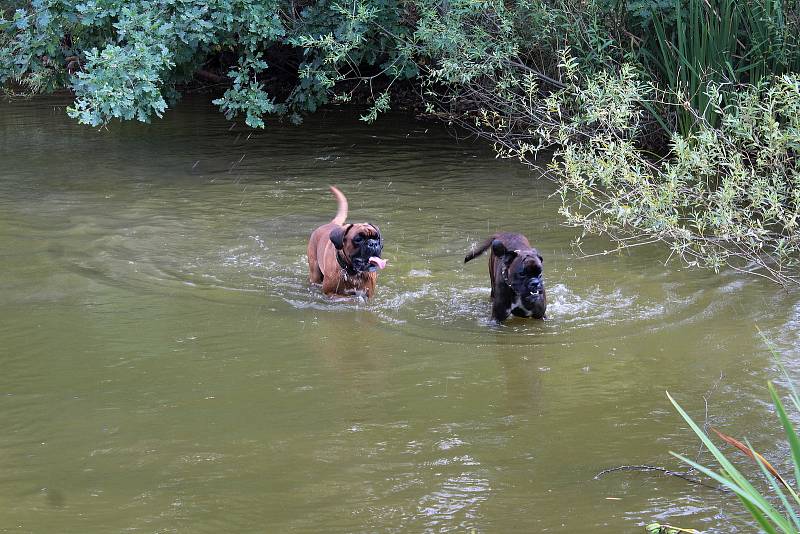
500 311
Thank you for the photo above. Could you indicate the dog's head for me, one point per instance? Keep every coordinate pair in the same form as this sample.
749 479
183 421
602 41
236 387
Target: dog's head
522 271
360 244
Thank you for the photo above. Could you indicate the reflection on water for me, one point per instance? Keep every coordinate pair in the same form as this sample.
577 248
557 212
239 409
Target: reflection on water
166 365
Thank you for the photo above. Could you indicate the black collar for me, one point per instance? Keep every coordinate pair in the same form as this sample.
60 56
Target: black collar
348 268
504 274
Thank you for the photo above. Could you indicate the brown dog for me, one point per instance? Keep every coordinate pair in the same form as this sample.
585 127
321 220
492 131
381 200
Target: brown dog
515 271
345 258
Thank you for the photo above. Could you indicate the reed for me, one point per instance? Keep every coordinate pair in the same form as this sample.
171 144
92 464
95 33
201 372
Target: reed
719 43
778 508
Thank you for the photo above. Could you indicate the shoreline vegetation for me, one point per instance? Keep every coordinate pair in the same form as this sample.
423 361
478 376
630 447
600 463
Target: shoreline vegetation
773 506
668 121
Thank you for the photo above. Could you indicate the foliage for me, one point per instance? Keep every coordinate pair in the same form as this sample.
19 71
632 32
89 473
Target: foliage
562 75
247 95
125 60
725 195
719 43
483 61
770 518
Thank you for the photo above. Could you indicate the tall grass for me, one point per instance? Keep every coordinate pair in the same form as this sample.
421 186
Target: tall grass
763 506
699 49
703 43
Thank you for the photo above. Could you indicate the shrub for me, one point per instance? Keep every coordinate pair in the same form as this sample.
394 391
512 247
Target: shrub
125 60
528 75
724 195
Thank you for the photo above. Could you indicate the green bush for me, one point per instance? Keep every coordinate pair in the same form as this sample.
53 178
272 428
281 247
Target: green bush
725 195
126 59
719 188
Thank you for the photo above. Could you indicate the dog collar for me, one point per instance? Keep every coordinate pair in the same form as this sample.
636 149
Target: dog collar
348 268
504 274
504 271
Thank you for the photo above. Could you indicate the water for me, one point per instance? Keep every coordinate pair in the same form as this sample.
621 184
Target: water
165 366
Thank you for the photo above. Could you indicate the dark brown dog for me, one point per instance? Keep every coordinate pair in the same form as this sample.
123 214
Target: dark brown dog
345 258
515 271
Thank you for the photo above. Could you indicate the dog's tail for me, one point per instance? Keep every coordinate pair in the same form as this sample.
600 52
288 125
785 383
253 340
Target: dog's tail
474 253
341 201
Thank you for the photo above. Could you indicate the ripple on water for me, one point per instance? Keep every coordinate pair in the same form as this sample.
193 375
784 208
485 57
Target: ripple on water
424 303
426 294
458 498
97 248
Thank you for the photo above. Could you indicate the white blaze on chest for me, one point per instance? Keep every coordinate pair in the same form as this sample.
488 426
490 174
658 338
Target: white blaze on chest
517 305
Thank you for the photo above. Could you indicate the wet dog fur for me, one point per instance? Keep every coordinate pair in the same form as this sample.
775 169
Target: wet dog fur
515 274
339 255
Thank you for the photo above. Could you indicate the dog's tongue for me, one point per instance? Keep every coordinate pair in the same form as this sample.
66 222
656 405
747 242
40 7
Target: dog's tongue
379 262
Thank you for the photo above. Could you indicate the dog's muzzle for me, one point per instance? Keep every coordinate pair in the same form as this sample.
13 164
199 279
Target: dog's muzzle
372 248
535 285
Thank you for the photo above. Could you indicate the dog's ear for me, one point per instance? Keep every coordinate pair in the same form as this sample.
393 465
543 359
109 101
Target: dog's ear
337 238
509 256
498 248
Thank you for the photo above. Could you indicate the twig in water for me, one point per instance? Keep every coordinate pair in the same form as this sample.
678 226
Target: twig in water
706 422
659 469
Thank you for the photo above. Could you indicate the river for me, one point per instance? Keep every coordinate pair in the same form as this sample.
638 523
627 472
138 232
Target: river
167 368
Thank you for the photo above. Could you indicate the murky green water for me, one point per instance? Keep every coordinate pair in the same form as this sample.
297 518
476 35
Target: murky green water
165 366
